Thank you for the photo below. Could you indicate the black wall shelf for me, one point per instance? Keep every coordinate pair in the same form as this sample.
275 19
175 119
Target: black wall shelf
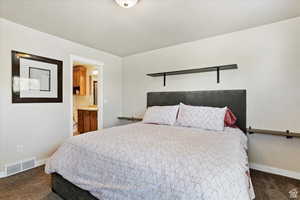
196 70
287 133
135 119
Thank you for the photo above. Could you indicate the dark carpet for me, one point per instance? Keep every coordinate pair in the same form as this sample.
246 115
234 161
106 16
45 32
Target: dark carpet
35 185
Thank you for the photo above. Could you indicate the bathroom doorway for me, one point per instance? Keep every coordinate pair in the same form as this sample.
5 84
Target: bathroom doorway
87 95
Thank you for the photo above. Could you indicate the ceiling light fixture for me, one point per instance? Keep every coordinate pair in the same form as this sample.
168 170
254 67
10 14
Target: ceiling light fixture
126 3
95 72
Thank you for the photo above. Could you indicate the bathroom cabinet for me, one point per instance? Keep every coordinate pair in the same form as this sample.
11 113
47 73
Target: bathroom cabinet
79 80
87 120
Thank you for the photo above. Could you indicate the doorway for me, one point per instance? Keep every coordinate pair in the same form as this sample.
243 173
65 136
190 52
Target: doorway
87 95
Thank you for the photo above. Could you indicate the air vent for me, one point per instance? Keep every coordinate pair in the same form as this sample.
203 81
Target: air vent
28 164
24 165
13 169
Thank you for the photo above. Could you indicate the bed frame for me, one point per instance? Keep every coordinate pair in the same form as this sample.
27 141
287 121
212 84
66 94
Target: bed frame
234 99
67 190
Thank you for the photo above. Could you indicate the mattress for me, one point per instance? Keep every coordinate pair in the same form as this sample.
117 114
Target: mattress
144 161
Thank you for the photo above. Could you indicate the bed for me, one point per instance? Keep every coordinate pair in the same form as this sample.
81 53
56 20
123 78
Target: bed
146 161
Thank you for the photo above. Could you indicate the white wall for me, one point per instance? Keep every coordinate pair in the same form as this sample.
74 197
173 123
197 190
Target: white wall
269 67
42 127
2 115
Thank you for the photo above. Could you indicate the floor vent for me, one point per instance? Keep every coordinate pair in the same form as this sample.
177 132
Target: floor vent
28 164
15 168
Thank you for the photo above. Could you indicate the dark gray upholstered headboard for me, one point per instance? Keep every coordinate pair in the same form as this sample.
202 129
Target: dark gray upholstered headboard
234 99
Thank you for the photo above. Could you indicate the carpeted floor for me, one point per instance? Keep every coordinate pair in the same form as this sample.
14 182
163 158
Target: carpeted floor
35 185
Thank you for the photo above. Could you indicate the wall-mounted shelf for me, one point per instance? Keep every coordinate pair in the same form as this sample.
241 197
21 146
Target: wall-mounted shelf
287 133
130 119
196 70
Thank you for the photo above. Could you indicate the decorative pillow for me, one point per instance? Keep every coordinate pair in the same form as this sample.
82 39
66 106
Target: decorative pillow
161 115
230 118
201 117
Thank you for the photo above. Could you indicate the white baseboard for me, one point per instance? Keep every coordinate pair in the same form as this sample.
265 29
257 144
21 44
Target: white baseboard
38 163
277 171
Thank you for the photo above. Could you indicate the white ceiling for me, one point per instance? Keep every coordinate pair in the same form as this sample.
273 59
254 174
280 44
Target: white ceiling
152 24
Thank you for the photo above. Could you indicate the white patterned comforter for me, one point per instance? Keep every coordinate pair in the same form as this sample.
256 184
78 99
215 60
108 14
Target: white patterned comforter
156 162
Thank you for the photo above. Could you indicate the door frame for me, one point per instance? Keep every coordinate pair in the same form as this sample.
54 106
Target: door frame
99 66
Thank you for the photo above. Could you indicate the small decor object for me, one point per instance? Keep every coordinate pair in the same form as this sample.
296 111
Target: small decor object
36 79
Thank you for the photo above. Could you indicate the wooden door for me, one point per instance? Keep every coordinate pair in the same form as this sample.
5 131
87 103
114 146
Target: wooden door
80 121
94 120
86 121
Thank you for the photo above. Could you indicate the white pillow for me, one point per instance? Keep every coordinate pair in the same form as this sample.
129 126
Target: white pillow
201 117
161 115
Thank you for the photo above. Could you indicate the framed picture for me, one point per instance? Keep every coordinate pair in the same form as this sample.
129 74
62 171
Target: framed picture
36 79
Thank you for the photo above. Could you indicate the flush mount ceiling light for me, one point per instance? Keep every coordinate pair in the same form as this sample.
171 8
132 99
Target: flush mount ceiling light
126 3
95 72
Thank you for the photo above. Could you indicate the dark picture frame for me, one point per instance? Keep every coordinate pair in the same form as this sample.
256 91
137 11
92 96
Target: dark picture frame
16 94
